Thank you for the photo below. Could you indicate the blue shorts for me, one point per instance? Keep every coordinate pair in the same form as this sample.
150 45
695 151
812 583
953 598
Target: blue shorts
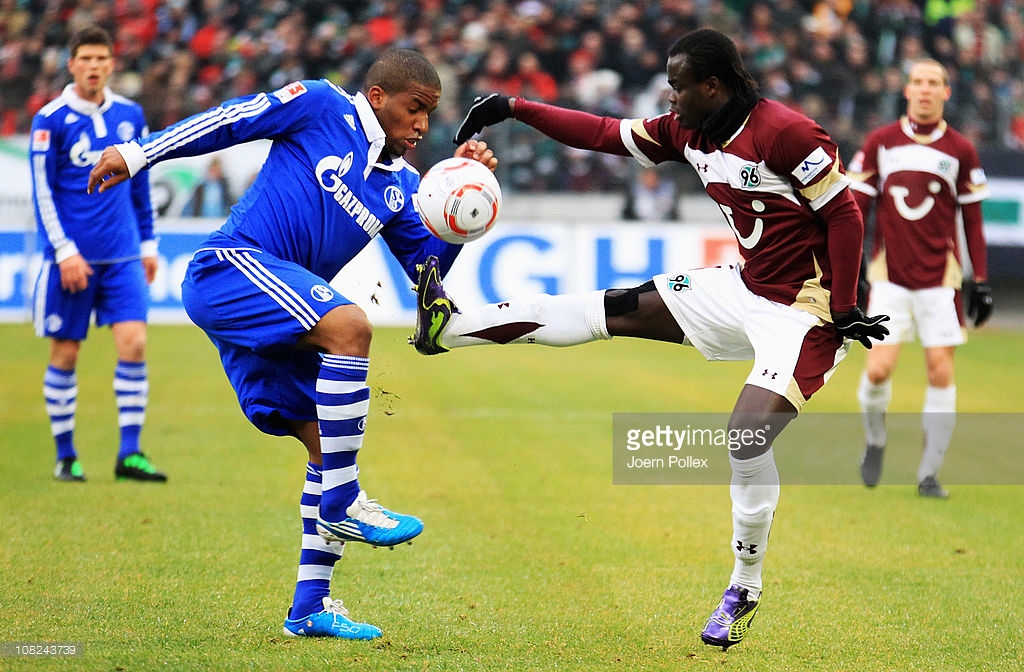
255 308
116 292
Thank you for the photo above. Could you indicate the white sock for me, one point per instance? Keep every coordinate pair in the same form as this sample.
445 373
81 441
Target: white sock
874 402
755 494
938 419
561 320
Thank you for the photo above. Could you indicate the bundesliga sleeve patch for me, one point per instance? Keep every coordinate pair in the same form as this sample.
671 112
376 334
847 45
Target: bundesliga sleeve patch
41 140
978 176
290 92
816 161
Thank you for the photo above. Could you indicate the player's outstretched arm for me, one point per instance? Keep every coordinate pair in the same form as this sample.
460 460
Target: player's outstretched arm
485 111
857 326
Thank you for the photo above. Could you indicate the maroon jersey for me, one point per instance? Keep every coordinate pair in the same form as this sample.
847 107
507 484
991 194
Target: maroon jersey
920 185
778 180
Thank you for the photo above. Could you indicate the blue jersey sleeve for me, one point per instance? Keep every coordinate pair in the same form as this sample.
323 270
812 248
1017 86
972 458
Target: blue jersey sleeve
411 244
233 122
43 157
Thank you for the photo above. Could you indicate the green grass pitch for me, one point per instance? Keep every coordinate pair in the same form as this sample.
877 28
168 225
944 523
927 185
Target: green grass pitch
531 558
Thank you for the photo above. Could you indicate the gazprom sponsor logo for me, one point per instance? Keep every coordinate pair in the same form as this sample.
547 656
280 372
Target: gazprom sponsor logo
82 154
329 173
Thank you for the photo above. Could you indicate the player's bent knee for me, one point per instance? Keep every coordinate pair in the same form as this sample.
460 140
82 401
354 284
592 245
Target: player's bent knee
618 302
345 330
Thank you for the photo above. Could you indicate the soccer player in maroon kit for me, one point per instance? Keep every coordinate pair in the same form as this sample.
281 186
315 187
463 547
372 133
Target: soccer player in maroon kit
920 174
790 306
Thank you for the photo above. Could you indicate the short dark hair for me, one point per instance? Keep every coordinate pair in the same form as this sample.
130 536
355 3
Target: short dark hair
396 70
710 53
90 35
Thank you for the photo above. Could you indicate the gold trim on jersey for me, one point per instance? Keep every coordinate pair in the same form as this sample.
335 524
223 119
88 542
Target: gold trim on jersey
637 126
813 298
878 270
793 394
954 275
923 138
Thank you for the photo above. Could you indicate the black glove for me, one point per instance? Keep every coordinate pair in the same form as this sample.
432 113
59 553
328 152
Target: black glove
859 327
483 112
980 303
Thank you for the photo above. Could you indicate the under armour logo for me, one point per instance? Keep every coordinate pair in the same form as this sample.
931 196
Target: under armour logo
503 304
771 375
750 549
702 167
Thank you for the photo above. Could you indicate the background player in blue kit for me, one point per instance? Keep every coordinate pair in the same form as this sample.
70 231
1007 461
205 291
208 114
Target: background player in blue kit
296 352
91 252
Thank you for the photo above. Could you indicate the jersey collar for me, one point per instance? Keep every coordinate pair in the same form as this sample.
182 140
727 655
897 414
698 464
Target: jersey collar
723 125
375 134
908 129
84 107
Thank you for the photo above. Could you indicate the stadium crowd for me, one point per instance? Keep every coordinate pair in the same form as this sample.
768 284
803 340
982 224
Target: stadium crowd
842 62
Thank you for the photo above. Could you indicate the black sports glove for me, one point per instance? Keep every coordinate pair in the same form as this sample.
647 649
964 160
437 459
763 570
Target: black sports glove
980 303
483 112
859 327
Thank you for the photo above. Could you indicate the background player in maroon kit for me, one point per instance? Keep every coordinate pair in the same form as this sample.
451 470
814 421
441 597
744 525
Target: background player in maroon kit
791 306
921 174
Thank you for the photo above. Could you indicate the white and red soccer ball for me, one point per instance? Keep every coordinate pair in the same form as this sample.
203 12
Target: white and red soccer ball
459 200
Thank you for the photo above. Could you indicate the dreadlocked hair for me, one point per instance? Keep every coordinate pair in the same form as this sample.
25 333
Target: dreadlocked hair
710 53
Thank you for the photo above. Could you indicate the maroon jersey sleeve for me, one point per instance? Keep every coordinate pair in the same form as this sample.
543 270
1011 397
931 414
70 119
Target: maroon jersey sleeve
572 127
972 188
975 236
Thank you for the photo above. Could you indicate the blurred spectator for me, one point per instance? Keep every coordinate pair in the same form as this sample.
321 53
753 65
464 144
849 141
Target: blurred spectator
846 59
212 196
14 20
975 35
652 197
530 81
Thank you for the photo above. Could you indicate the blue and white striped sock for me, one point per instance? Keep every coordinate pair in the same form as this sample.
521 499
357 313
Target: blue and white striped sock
131 387
316 561
60 389
342 402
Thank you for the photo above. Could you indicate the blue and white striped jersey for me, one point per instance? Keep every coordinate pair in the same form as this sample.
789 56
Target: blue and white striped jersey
68 136
323 192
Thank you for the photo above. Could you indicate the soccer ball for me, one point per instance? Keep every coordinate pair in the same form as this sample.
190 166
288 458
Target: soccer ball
458 200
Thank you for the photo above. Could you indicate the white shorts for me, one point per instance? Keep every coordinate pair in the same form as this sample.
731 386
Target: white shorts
930 314
794 352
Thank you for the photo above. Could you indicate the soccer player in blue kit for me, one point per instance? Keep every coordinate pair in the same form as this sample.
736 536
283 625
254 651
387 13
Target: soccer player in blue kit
297 352
92 249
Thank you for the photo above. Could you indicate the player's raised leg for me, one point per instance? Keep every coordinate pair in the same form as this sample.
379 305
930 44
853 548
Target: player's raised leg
342 404
543 319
